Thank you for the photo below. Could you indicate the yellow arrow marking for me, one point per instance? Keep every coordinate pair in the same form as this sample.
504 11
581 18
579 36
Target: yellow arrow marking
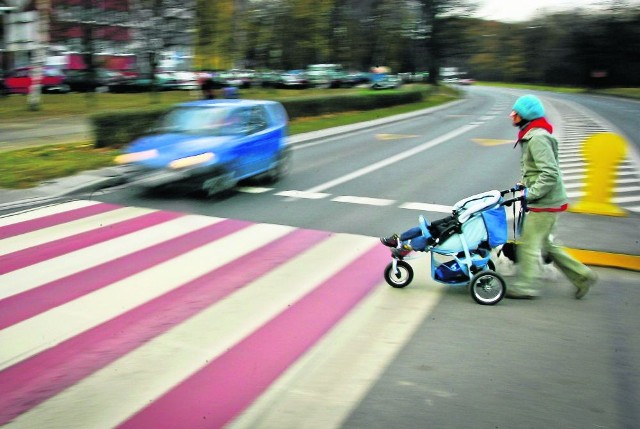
492 142
394 136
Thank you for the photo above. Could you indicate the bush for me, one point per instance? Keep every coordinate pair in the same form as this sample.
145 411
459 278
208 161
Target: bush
115 129
316 106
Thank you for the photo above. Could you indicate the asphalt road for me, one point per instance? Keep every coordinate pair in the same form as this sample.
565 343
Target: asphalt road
423 356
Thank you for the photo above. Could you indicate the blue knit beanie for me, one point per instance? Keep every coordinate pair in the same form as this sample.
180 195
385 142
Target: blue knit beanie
529 107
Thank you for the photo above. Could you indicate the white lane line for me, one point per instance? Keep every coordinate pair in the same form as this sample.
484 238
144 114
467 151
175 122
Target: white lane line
363 200
253 189
425 207
303 194
391 160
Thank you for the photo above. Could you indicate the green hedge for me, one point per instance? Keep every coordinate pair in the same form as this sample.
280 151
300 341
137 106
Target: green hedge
119 128
315 106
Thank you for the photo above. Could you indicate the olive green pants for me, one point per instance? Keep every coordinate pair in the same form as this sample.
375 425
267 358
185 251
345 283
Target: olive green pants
536 240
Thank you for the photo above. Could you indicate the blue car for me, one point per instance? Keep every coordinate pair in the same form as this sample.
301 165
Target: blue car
210 145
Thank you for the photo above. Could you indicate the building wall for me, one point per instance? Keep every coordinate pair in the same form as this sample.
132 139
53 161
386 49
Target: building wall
102 27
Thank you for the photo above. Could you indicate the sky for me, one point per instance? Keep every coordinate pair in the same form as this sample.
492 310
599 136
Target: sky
515 10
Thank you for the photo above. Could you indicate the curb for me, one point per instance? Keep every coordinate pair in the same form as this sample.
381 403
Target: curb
605 259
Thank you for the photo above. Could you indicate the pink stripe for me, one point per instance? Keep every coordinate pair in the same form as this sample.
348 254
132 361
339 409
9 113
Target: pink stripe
33 255
40 377
34 301
215 395
54 219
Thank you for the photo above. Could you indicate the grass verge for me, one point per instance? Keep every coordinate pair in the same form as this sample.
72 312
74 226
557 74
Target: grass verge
26 168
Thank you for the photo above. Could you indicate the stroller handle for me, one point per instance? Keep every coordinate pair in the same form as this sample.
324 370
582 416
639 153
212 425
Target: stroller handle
516 188
522 198
512 200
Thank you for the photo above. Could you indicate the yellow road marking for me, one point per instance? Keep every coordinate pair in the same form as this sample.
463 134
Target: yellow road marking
492 142
395 136
605 259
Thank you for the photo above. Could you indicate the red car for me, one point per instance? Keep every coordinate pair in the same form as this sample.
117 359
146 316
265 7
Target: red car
18 81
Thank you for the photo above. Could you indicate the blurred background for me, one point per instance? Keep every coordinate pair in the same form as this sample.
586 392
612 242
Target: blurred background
96 43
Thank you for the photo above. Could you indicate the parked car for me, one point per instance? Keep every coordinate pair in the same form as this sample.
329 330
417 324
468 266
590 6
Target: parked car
268 79
210 145
82 81
144 83
293 79
238 78
53 80
388 81
178 80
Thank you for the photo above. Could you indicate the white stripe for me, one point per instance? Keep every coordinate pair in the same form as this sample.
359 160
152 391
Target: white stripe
63 230
311 394
62 266
627 189
615 200
363 200
425 207
392 160
303 194
44 211
104 401
66 321
253 189
622 200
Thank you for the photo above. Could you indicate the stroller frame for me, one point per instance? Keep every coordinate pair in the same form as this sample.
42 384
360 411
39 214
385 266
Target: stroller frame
468 254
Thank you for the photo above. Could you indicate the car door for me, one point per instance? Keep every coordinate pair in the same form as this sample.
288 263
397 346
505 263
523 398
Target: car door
19 81
265 142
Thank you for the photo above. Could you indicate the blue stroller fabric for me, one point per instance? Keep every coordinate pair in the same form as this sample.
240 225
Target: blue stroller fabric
495 221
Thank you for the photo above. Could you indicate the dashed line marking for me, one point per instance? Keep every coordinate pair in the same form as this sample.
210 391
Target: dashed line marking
363 201
303 195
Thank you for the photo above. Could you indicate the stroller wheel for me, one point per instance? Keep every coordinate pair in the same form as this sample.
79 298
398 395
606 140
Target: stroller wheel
487 287
401 277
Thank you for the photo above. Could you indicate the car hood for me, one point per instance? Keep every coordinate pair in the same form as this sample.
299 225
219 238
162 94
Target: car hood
168 147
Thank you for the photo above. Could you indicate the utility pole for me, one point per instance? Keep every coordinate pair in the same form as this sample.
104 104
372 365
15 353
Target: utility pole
43 8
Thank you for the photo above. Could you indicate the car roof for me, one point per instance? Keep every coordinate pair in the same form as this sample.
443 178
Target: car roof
227 102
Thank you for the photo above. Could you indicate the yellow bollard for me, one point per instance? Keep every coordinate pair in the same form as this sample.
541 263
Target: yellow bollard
603 153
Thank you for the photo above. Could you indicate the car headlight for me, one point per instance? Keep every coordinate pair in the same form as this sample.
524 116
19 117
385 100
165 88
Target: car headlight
192 160
135 156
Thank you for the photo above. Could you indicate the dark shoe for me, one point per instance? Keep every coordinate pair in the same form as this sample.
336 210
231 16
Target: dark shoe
516 294
390 241
400 253
584 286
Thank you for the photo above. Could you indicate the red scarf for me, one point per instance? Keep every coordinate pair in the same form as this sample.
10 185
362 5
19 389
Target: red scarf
536 123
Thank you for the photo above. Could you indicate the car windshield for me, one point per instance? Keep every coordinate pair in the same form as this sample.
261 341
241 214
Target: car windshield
219 121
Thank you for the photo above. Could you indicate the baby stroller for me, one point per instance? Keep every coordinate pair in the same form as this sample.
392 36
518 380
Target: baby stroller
464 240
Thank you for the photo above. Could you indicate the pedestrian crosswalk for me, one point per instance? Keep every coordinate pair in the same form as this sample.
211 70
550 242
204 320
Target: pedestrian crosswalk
130 317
